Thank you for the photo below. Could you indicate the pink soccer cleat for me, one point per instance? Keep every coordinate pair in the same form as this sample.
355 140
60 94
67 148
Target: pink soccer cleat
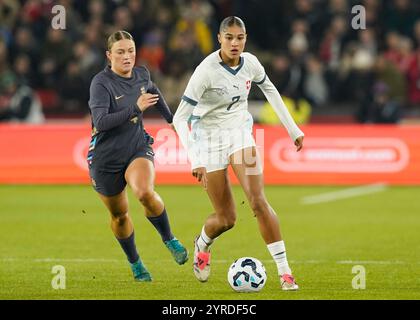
201 264
288 283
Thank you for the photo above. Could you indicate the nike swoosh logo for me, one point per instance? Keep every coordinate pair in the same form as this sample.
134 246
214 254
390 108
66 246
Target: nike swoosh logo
117 98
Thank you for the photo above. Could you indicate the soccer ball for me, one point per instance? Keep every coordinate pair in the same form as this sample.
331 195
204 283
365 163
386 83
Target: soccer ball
247 274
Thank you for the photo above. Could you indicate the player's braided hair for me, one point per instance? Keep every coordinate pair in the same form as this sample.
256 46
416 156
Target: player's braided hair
117 36
231 21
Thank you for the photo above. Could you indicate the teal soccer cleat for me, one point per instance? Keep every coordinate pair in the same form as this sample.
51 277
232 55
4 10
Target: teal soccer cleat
140 272
179 252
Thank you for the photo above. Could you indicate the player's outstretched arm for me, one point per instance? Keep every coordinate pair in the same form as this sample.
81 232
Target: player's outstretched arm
161 104
274 98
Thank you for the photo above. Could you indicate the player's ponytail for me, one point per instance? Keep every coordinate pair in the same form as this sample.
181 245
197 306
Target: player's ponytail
231 21
117 36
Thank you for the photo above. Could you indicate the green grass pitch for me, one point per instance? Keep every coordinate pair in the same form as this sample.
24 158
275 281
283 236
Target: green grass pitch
44 226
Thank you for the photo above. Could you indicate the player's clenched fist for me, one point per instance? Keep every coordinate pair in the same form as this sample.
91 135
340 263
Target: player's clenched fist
201 175
299 143
147 100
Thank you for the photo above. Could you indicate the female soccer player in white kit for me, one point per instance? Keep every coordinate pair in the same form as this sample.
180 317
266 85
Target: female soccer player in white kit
215 105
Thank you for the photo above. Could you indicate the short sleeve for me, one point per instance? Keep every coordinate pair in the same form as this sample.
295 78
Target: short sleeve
99 95
258 71
196 86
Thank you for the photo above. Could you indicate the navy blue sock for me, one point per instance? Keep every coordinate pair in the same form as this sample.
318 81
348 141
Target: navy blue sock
161 223
129 247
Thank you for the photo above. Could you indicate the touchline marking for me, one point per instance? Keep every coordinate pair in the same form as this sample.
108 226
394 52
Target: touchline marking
344 194
373 262
220 261
61 260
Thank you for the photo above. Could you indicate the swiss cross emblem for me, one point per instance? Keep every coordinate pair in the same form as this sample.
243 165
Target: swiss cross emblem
248 84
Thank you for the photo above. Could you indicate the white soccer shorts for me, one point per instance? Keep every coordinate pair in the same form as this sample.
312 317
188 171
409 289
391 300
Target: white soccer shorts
215 146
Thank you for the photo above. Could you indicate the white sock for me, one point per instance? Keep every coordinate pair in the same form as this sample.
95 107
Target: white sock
278 252
204 241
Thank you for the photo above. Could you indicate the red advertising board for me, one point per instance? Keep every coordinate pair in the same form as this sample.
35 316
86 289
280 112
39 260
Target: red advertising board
332 155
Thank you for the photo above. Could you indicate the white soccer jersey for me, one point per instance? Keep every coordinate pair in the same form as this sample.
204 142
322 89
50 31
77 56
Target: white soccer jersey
217 97
220 93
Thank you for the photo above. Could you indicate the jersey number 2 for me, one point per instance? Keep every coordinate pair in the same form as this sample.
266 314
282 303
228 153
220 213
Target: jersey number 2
234 100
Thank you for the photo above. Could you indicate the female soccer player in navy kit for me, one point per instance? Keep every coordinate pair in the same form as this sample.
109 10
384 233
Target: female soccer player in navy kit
215 103
120 151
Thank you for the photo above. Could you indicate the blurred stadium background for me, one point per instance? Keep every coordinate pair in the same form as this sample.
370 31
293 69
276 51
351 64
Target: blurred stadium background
308 47
356 94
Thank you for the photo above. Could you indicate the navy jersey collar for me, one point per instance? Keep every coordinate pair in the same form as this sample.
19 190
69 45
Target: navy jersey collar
231 70
116 76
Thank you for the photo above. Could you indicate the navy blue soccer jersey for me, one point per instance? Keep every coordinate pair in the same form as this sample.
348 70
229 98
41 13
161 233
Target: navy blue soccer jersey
117 126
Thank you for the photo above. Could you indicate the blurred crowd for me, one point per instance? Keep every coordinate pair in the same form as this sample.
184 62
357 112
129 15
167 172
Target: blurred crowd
309 48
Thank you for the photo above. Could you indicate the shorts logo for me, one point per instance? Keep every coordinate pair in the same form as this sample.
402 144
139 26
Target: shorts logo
150 153
119 97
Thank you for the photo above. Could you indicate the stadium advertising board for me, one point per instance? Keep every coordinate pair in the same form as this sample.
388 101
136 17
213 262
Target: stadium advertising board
333 154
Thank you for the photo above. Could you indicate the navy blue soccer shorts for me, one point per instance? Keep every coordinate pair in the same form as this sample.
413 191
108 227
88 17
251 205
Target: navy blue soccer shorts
111 183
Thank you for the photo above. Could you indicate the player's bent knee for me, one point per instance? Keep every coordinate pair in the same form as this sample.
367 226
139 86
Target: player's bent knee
145 195
119 218
259 205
